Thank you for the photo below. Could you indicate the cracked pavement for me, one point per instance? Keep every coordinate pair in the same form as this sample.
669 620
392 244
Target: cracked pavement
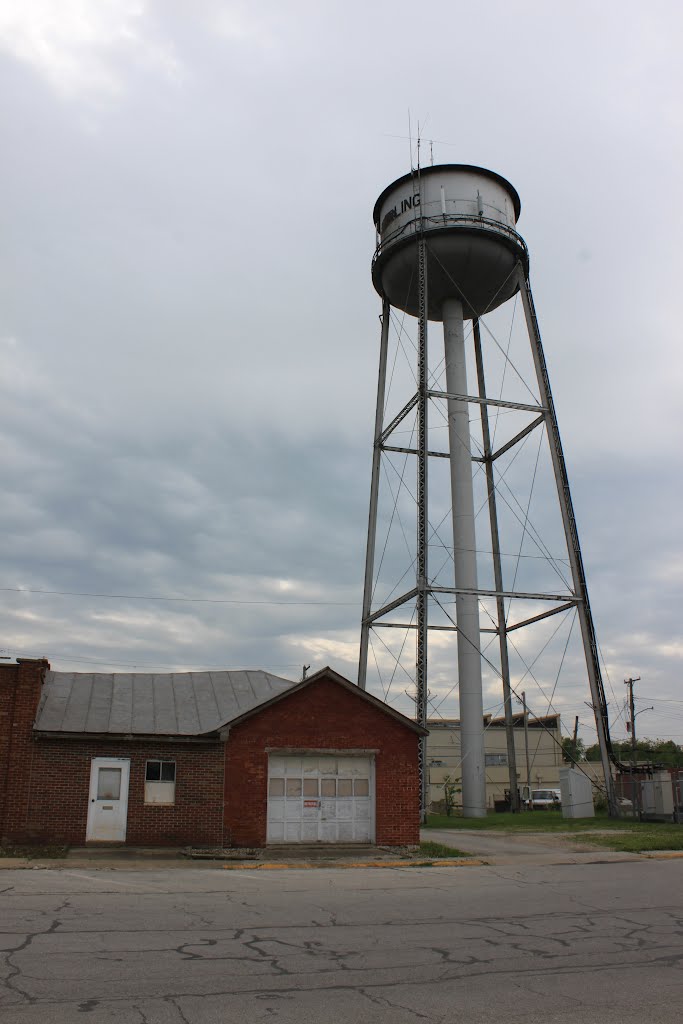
529 943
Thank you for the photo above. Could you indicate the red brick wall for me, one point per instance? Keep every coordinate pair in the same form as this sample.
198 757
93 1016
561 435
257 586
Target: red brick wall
56 805
44 784
323 715
20 687
8 685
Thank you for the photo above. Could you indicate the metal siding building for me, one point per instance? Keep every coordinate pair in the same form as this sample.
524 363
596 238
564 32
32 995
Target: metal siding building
545 755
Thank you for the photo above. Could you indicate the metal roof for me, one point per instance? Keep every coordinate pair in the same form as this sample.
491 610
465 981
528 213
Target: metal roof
151 704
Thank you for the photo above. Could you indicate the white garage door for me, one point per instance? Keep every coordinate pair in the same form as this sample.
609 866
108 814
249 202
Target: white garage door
323 799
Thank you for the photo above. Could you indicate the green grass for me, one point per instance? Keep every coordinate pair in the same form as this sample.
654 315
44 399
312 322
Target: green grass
622 834
639 836
430 849
534 821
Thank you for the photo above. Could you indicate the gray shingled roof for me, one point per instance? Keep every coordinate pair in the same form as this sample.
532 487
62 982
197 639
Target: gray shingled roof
174 704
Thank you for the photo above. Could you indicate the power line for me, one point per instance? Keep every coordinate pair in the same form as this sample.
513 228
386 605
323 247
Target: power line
181 600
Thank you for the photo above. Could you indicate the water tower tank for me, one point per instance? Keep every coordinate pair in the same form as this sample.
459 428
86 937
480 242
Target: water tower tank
468 216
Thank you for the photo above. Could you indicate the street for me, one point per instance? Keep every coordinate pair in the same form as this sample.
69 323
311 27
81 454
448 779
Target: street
520 943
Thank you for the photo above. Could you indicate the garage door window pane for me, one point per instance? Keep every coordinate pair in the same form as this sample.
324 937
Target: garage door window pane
276 787
361 787
344 787
310 787
293 787
109 784
328 787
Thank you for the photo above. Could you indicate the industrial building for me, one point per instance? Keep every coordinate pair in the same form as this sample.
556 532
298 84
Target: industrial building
444 757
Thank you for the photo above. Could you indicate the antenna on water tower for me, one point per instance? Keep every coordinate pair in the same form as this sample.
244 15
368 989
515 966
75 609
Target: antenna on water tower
448 251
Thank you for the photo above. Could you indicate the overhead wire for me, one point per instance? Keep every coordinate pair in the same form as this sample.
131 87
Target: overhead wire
162 597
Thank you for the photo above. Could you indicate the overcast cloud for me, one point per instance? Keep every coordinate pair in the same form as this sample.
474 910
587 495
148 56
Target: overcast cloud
188 330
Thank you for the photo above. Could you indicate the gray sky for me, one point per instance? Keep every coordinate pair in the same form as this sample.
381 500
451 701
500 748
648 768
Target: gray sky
188 331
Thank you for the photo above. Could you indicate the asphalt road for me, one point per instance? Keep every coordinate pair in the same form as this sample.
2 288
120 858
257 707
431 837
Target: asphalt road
567 943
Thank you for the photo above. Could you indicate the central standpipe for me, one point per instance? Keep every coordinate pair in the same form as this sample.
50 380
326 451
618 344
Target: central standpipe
465 566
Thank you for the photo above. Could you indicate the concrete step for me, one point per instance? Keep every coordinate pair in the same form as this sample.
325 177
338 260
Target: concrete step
323 851
121 852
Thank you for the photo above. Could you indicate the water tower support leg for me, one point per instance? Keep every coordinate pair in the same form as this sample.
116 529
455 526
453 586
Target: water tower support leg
465 565
374 493
585 617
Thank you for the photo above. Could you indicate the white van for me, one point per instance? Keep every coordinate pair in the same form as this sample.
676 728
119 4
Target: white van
544 799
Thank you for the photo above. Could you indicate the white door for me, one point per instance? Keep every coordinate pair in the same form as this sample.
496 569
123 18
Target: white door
324 799
108 806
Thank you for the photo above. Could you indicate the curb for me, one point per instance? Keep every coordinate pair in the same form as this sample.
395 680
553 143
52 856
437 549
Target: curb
18 863
662 854
445 862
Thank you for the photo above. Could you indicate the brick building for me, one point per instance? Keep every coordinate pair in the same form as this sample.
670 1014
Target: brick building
202 759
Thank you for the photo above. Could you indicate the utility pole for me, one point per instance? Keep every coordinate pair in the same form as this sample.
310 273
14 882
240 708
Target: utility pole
576 732
526 748
629 683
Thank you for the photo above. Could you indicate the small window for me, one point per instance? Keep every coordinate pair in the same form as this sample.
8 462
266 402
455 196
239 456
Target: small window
160 771
160 782
492 759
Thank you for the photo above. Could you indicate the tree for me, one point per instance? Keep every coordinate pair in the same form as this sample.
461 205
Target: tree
573 750
450 788
654 751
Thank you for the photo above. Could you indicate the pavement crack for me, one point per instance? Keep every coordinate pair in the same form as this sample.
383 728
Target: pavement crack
173 1001
268 958
388 1004
15 972
187 953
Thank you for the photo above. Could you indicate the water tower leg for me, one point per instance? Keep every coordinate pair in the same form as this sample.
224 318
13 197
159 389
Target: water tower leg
374 494
465 564
590 644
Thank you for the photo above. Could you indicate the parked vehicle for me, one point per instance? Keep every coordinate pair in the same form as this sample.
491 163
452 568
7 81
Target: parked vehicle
545 799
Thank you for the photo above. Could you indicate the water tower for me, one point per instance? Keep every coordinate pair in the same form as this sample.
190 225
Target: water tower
448 251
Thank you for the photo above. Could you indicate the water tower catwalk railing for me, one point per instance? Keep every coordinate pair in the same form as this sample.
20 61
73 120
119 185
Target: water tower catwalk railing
448 251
